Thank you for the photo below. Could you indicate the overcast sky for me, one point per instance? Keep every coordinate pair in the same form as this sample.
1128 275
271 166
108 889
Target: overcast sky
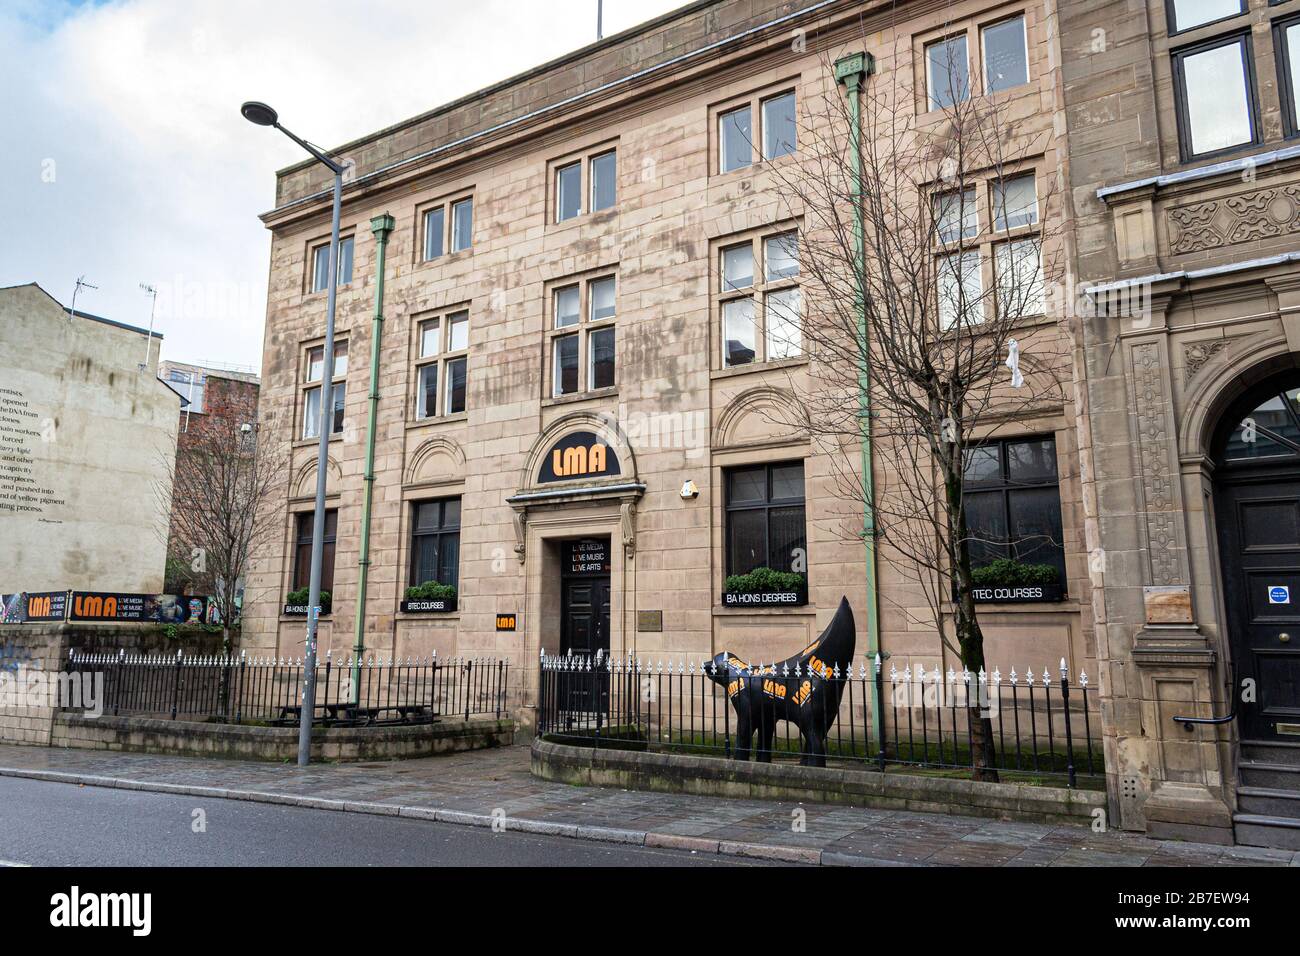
125 158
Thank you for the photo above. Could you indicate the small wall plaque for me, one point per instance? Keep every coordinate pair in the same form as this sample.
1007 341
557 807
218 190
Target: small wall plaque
650 620
1168 605
507 621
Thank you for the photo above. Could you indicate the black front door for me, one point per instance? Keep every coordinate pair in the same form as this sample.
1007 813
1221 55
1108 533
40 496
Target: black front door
1259 533
584 626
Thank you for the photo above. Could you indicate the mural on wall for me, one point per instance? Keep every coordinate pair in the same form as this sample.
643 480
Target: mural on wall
803 690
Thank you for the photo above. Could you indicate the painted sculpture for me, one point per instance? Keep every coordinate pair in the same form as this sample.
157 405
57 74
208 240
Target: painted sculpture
803 690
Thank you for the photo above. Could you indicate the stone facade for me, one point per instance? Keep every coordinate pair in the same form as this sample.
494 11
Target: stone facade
1187 267
678 416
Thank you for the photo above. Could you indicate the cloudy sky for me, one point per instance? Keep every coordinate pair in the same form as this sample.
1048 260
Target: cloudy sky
125 159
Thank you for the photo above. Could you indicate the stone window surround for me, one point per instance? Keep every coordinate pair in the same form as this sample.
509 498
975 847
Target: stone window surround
304 506
758 291
583 329
987 239
306 384
309 261
583 155
445 199
972 28
442 314
754 100
450 487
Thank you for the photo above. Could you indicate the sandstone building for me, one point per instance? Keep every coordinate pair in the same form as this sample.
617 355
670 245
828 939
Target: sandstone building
591 285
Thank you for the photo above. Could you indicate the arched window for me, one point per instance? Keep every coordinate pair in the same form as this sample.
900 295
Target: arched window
1271 431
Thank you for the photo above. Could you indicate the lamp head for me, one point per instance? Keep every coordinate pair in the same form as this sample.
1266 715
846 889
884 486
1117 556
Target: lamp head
259 113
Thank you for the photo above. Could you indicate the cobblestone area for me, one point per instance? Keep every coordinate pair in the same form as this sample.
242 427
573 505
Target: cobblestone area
473 788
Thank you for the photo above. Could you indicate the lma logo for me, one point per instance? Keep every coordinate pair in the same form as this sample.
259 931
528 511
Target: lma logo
76 909
579 455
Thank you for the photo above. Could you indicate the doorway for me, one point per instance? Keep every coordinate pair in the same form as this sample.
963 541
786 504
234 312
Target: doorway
1257 508
584 617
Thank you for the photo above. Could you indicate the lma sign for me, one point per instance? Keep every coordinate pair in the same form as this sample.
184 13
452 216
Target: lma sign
578 455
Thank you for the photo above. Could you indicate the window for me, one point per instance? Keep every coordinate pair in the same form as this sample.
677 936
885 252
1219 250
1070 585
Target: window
321 265
777 135
765 518
568 187
734 140
961 290
1215 89
587 308
435 542
759 300
1015 202
1186 14
315 367
1013 503
600 190
441 346
956 215
302 550
780 133
1287 41
947 71
462 224
435 232
604 181
1006 57
1019 272
189 385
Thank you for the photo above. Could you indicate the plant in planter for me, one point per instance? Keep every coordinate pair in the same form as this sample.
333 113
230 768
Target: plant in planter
1009 573
299 598
431 591
764 581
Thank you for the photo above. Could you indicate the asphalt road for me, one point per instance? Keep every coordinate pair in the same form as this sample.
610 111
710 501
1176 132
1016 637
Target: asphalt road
59 824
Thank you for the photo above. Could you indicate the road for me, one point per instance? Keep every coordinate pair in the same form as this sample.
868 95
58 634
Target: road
59 824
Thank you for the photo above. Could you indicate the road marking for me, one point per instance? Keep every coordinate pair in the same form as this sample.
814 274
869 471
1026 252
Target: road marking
13 863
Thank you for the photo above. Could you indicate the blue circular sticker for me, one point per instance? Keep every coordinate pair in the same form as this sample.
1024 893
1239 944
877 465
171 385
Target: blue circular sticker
1278 594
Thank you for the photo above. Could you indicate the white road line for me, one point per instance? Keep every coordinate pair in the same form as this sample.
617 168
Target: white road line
12 863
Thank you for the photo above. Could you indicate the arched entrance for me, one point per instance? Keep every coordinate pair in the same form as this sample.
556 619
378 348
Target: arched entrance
1256 450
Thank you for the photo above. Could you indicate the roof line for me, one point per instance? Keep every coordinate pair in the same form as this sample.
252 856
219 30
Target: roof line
568 101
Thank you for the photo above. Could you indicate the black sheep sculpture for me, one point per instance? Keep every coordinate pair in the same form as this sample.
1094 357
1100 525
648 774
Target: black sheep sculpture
803 690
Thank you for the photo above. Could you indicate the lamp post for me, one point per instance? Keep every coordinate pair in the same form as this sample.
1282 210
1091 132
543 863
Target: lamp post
263 115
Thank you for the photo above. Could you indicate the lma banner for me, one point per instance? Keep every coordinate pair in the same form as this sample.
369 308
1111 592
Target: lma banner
116 606
33 607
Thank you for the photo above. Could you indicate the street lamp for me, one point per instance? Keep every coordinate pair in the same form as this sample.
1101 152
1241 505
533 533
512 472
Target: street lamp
263 115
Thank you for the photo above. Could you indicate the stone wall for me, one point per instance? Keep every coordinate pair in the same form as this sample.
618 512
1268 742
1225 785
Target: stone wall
240 742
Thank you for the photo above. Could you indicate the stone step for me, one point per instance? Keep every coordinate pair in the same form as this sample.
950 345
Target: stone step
1271 751
1269 801
1275 776
1260 829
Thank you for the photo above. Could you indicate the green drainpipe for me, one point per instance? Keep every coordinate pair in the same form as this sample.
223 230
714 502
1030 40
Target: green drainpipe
852 71
381 226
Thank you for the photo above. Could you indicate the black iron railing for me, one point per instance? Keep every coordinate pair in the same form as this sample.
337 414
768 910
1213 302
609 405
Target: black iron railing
1042 724
247 689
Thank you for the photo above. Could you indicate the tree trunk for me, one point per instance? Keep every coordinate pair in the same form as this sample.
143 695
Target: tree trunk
970 638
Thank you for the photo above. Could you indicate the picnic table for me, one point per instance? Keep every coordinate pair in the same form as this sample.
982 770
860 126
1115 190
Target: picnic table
348 714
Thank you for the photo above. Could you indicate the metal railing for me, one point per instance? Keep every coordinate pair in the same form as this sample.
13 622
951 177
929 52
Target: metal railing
247 689
1042 724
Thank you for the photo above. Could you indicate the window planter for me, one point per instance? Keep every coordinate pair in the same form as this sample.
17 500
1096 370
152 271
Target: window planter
295 603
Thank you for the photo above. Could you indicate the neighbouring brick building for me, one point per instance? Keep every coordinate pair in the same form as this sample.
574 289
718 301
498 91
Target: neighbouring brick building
578 413
214 402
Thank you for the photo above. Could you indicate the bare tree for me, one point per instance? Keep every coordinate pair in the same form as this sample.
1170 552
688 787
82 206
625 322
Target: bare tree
221 508
929 284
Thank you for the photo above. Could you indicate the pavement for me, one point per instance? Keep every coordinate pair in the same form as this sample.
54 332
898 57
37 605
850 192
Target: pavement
495 788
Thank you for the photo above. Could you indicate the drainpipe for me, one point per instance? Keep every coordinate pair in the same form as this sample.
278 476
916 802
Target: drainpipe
852 71
381 226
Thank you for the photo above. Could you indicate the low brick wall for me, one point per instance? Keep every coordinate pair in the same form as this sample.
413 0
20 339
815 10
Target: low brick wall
240 742
712 776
